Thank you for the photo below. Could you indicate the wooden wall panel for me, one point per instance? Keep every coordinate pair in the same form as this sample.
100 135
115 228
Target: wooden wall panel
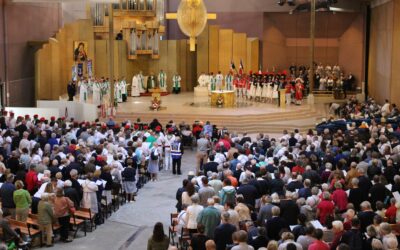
395 83
123 60
62 38
380 52
60 59
181 65
255 54
57 86
225 49
101 49
239 49
191 69
202 51
213 43
248 56
172 59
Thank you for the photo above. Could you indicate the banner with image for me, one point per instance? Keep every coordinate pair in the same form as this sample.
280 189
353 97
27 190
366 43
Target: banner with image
89 68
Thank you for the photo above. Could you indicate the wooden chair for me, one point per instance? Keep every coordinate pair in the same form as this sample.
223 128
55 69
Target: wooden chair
185 238
33 220
115 201
107 206
395 229
86 214
173 228
77 223
25 229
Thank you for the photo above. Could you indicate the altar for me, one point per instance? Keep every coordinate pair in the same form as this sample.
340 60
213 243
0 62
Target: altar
223 98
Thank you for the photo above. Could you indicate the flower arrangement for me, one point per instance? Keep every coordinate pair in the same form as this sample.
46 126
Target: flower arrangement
220 101
155 104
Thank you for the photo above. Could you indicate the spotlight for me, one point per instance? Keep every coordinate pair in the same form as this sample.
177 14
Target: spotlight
281 2
291 2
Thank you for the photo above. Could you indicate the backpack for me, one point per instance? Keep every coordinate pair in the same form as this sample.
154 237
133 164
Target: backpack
227 197
153 156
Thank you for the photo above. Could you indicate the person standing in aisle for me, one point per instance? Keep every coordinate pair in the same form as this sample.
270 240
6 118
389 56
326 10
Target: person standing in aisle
176 154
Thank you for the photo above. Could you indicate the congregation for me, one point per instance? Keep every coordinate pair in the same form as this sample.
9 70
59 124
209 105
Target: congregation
330 189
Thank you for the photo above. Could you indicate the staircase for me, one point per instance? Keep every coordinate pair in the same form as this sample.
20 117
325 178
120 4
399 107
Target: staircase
303 119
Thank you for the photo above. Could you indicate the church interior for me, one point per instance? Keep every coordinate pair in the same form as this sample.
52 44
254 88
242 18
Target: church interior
247 67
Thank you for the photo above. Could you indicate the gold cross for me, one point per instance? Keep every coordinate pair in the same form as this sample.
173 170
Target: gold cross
192 40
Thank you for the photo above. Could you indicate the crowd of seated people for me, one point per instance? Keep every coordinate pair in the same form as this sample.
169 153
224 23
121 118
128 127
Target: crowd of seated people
363 117
325 189
326 77
56 172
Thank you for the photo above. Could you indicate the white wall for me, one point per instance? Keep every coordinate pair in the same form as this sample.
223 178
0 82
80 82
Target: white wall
78 111
41 112
73 11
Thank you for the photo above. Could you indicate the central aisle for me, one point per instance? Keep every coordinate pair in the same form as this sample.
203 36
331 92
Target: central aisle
131 226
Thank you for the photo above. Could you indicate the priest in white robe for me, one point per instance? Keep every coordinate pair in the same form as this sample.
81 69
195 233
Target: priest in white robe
176 83
141 82
219 80
83 91
203 80
124 89
162 81
118 91
96 93
135 91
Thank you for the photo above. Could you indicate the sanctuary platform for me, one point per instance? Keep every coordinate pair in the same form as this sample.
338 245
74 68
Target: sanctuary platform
245 116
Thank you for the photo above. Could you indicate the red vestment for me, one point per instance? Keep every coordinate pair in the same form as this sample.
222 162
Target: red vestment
299 91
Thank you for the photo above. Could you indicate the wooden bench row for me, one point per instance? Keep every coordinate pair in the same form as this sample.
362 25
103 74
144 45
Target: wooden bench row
31 226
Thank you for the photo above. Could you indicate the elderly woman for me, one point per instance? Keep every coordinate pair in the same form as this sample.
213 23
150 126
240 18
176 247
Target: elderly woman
63 207
129 180
389 240
325 208
106 176
192 213
371 235
188 193
153 166
22 200
339 197
45 219
338 230
89 199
